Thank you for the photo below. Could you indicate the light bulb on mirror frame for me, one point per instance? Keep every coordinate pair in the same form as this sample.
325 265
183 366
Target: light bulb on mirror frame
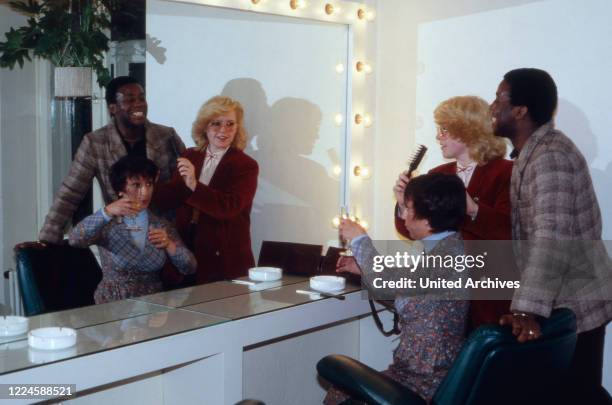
364 67
362 172
295 4
255 2
329 9
340 68
335 222
367 120
358 119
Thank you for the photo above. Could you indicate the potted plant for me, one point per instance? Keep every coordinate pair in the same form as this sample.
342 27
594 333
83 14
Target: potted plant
69 33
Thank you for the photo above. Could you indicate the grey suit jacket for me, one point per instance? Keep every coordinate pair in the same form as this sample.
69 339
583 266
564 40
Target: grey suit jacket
96 154
555 209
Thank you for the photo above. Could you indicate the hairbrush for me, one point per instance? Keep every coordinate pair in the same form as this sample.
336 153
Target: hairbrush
416 158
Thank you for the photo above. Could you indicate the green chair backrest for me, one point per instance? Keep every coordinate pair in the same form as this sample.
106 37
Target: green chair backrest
493 368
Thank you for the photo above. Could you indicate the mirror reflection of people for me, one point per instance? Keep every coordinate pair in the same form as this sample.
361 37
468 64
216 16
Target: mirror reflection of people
213 190
134 243
465 135
432 328
128 133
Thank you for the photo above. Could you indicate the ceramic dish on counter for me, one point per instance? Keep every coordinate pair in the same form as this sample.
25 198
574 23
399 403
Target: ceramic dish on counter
265 273
13 325
52 338
327 284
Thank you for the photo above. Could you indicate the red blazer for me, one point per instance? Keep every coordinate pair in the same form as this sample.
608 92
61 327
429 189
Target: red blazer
490 185
222 240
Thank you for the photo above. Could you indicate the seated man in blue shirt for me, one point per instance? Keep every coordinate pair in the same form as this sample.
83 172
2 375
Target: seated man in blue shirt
134 243
432 325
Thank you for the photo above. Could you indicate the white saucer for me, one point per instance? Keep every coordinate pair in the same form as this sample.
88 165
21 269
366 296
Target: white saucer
13 325
328 284
265 273
52 338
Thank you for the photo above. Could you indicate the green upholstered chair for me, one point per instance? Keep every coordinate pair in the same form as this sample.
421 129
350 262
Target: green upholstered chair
492 368
55 277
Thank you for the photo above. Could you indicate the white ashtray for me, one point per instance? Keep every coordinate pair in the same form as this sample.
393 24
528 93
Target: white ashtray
52 338
13 325
328 284
265 273
38 356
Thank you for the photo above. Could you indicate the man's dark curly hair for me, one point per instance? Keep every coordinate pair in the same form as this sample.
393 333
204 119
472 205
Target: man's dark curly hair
114 85
536 90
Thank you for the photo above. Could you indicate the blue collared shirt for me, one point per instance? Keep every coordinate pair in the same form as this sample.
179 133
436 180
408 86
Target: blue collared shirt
429 241
141 221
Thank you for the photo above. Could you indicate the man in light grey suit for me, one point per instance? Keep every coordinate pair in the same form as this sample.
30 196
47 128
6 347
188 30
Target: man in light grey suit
555 209
128 133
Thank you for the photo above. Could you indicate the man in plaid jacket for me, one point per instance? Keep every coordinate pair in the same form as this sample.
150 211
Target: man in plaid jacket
128 133
555 209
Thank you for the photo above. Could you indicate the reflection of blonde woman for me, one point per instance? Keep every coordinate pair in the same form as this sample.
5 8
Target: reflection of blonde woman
465 134
213 190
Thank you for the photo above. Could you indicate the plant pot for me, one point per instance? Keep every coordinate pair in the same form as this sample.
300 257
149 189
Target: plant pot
73 82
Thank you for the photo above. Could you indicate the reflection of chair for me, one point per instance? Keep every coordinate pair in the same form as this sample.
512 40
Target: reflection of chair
294 258
55 277
492 368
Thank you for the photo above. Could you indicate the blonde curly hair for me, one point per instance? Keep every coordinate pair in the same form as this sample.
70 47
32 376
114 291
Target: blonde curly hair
468 119
210 110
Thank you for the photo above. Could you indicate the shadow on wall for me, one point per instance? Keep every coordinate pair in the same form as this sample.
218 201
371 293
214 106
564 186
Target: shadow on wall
154 48
574 123
296 198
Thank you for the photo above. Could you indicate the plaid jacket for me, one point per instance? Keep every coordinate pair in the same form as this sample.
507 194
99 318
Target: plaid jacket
554 207
96 154
128 271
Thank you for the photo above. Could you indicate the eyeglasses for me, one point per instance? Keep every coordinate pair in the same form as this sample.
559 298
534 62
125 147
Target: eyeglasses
217 124
443 132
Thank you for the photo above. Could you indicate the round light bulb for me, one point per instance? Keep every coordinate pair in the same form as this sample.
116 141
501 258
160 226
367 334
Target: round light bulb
337 170
338 119
336 221
295 4
361 14
339 68
329 9
361 171
367 120
358 119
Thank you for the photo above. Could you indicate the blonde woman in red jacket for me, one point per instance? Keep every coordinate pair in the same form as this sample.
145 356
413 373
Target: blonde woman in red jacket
465 135
212 191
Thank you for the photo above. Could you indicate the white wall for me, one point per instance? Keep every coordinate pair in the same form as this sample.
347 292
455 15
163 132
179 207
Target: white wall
429 51
18 161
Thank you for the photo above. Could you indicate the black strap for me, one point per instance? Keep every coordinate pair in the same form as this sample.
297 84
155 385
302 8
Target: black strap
395 330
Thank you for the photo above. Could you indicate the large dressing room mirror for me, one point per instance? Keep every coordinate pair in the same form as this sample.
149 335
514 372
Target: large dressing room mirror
284 72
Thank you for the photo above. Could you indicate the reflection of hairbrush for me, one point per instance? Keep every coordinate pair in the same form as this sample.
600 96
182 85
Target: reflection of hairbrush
416 158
